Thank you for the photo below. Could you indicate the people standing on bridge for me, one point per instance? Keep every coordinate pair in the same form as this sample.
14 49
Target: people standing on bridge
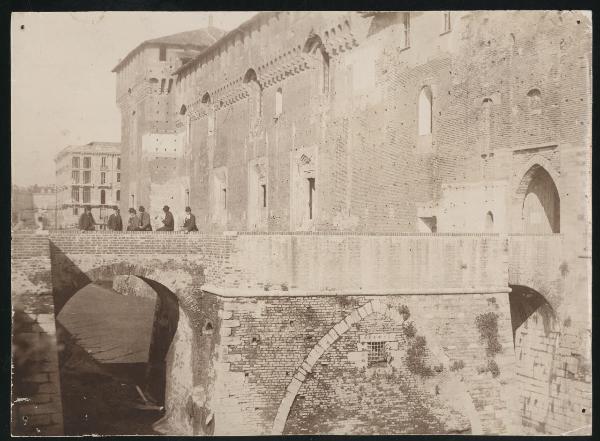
86 220
115 223
133 223
144 220
168 221
190 221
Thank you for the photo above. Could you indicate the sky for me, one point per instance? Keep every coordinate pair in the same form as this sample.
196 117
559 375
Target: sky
62 87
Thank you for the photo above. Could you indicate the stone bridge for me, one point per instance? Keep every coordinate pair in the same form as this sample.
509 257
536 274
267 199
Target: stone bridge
275 332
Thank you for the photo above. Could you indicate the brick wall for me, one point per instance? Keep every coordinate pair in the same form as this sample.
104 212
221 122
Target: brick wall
280 355
36 406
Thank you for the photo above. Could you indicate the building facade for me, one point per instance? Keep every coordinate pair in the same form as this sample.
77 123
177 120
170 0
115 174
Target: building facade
438 122
32 203
87 175
152 143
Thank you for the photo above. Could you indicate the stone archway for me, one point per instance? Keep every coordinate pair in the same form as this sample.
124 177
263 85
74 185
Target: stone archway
537 333
338 331
536 199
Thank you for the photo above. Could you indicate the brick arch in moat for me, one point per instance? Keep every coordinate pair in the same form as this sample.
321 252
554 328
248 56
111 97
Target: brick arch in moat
336 332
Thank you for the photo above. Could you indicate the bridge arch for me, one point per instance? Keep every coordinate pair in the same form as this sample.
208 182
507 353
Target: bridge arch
334 334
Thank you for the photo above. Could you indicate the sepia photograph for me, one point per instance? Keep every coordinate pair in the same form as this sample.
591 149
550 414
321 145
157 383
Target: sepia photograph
246 223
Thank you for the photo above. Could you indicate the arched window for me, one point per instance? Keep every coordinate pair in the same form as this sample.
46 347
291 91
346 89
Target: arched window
489 222
102 197
254 94
534 101
183 110
425 111
278 102
314 47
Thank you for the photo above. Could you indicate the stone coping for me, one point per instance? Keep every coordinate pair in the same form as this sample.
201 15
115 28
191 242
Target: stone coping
254 292
279 233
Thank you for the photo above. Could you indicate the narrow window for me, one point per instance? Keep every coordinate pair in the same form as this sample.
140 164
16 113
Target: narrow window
405 30
132 200
311 194
162 53
447 24
118 195
264 194
75 177
162 85
118 163
187 197
75 194
425 111
86 195
170 85
486 121
87 177
534 99
75 211
489 222
224 197
87 162
118 177
104 161
103 178
102 197
76 162
278 102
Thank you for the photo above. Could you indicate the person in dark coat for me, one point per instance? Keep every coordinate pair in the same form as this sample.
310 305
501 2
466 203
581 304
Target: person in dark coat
190 221
86 221
168 221
144 220
133 223
115 222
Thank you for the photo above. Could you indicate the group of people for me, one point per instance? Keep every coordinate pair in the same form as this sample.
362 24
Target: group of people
137 222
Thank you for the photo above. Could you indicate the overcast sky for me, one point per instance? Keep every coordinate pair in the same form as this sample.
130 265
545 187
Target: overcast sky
63 90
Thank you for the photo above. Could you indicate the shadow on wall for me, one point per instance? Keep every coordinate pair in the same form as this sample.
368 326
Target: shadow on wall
166 320
36 402
524 302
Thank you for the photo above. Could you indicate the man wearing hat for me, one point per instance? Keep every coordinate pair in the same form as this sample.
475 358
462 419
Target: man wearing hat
115 223
144 220
133 223
86 221
190 221
168 221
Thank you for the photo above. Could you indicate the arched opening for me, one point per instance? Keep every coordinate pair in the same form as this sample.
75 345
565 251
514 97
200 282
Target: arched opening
536 335
425 111
115 337
540 212
183 110
315 48
489 222
254 94
206 98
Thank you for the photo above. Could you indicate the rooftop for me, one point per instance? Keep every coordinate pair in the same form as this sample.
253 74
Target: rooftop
197 39
91 147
